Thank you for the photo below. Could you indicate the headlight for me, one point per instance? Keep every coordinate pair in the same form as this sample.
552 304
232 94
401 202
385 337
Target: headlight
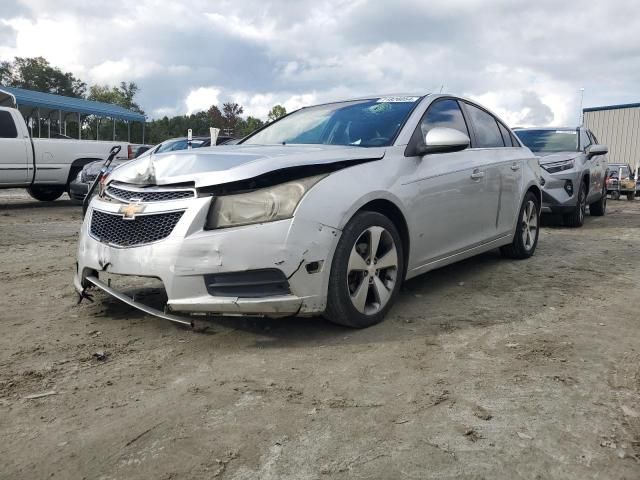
558 166
264 205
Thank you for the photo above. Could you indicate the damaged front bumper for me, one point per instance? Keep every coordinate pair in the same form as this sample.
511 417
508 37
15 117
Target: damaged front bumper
190 260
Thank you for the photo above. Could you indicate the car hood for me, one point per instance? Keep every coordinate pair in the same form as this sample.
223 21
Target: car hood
224 164
556 157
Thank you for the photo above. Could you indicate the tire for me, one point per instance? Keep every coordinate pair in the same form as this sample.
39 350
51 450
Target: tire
599 208
352 272
45 194
631 196
525 240
615 195
575 219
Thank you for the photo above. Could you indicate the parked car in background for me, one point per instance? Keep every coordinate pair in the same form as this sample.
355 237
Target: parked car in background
80 185
45 167
627 184
326 210
574 167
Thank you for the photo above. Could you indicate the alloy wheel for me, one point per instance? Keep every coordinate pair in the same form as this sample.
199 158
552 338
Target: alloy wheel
372 271
582 205
529 225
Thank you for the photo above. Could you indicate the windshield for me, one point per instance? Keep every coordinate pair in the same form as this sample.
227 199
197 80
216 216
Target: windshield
365 123
179 145
549 141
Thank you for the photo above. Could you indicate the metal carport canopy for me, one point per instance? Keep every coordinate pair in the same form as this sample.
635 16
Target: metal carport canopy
12 96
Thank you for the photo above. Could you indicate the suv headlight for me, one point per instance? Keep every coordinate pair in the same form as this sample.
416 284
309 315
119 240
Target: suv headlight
263 205
558 166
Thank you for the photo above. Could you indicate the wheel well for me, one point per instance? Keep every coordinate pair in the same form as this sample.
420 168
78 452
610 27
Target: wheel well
393 213
585 180
537 192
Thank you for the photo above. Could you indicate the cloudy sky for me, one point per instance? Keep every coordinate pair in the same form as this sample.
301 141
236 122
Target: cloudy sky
527 60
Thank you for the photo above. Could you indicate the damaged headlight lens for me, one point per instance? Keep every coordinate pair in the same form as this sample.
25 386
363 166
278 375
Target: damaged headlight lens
264 205
558 166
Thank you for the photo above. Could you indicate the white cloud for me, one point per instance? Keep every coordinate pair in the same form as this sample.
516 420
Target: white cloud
201 99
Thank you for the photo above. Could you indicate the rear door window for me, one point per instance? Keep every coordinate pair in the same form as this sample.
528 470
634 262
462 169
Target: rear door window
486 128
7 126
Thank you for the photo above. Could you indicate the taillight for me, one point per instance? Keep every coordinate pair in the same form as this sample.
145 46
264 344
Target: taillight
130 152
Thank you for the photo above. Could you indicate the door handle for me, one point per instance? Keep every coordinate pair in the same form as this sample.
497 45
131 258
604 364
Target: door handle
477 175
515 166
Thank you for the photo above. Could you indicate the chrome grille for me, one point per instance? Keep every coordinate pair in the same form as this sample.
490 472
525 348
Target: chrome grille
115 230
151 195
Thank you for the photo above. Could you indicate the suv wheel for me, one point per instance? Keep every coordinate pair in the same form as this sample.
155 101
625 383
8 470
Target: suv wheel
599 208
527 230
45 194
575 219
366 272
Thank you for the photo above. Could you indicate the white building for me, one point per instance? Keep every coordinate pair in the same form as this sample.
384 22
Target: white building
617 126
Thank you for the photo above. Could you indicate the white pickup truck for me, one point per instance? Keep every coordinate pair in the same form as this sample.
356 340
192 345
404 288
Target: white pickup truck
44 166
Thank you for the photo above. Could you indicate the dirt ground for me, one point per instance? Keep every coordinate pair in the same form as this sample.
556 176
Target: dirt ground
488 369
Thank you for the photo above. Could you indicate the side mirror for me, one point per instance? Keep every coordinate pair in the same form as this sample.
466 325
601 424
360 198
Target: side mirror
442 140
595 150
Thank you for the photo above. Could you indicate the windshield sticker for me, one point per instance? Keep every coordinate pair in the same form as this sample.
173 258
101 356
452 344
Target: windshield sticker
567 132
397 99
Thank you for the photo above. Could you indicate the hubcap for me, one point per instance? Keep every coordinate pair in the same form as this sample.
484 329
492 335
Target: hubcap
529 225
373 270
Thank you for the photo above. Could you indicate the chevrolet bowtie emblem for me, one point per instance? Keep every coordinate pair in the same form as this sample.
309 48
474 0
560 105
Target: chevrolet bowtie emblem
130 211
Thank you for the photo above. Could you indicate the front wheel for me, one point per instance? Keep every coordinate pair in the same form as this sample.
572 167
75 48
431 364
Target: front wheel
615 195
631 196
45 194
366 272
527 230
575 219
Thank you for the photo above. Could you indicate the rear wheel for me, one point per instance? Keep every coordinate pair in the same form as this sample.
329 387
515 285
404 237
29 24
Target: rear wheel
615 195
45 194
526 239
599 208
575 219
366 272
631 195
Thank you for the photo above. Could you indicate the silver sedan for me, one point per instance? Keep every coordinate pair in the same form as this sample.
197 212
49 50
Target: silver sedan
326 210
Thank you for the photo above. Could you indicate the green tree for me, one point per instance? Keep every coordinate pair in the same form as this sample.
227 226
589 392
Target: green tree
232 112
250 125
276 112
37 74
216 117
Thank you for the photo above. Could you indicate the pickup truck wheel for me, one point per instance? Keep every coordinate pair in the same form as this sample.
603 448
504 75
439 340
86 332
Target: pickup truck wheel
599 208
366 271
575 219
615 195
46 194
527 230
631 196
